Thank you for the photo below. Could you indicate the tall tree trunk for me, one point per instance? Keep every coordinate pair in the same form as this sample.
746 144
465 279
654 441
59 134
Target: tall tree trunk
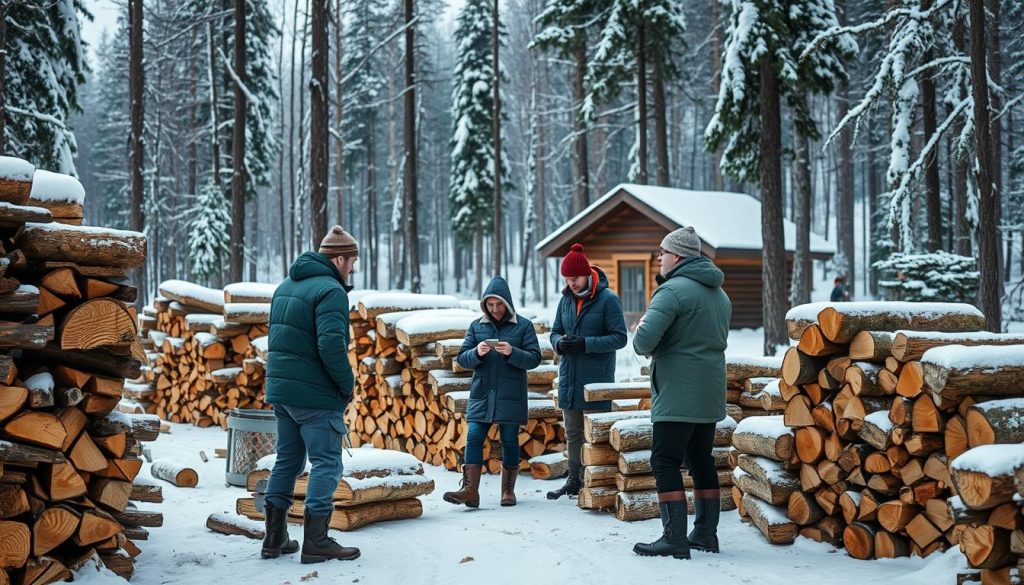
339 97
371 196
660 125
581 180
214 117
995 73
319 118
959 161
844 198
990 287
773 269
410 136
800 290
478 245
716 82
3 76
933 200
303 193
641 105
282 213
136 160
542 214
238 172
496 238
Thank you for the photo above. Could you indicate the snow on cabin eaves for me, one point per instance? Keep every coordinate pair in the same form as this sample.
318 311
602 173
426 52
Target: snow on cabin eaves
722 220
49 186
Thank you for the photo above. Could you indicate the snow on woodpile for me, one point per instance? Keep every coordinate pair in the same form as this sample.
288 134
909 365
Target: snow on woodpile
906 309
83 229
979 357
364 461
808 311
249 292
56 187
183 291
8 207
431 321
991 460
41 382
357 295
15 169
202 318
402 301
754 360
763 426
880 420
635 426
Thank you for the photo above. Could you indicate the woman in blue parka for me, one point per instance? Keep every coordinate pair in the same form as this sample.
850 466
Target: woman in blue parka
500 347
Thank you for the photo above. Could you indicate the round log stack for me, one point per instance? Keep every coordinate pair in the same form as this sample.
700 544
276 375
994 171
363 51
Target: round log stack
411 394
203 362
877 402
68 339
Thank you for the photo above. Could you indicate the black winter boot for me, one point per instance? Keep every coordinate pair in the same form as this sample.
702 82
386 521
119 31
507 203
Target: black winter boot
276 540
317 547
673 542
573 483
704 536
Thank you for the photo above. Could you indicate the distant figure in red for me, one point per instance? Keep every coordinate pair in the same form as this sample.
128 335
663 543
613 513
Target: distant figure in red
839 292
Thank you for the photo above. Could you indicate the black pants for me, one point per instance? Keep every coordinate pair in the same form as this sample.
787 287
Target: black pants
676 443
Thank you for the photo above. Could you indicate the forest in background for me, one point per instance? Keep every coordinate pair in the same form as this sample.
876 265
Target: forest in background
379 115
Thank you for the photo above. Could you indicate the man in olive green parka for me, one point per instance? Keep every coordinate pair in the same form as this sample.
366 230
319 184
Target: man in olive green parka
685 331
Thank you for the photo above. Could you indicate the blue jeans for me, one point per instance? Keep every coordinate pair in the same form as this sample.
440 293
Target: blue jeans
509 443
302 432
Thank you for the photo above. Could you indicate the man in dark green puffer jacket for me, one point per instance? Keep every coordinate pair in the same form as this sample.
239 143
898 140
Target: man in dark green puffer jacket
309 382
685 331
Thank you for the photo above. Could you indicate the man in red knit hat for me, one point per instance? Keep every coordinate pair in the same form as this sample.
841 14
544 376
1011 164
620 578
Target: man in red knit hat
589 327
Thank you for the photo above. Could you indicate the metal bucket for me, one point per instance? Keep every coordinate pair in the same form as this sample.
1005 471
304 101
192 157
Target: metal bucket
252 435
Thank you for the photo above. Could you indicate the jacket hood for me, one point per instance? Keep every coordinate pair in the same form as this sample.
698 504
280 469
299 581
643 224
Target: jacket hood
312 264
498 288
602 282
701 269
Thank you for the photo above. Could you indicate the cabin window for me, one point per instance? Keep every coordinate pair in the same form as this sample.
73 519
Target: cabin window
632 287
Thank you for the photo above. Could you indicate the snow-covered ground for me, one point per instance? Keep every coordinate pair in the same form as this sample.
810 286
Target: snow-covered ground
538 541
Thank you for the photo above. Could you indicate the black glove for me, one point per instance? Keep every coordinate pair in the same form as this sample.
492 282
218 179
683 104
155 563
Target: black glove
572 344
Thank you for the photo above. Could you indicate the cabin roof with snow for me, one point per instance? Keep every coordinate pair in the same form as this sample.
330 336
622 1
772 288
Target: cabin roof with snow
724 221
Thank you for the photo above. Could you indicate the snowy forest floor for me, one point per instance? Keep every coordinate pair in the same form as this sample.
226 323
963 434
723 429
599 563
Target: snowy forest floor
537 541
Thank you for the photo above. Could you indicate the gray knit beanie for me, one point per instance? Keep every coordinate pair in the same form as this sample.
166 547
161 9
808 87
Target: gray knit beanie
682 242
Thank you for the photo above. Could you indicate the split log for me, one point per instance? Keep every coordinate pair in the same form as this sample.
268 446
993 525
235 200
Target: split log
739 368
16 539
54 526
803 509
871 346
175 473
800 368
355 492
987 547
955 371
769 482
912 345
550 466
616 391
841 321
984 476
597 498
813 343
597 426
995 421
766 436
83 245
233 525
859 540
770 520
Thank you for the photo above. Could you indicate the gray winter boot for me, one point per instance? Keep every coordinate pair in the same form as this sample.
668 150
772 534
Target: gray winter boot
704 536
673 518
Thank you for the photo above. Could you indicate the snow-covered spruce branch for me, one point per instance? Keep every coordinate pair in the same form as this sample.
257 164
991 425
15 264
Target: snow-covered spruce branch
251 99
890 16
366 59
914 171
48 118
957 59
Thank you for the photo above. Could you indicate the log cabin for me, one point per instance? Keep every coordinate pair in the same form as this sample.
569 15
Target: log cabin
622 231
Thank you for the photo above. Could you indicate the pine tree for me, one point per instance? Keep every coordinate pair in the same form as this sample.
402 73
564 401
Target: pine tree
472 156
208 231
762 65
110 151
634 35
44 67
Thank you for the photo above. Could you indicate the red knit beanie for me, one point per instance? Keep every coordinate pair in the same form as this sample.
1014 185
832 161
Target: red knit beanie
575 262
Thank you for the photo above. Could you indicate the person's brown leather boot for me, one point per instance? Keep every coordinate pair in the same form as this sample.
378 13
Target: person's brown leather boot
508 485
470 492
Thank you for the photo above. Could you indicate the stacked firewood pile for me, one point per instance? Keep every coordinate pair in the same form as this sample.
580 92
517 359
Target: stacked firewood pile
616 456
377 485
68 339
410 393
204 362
861 456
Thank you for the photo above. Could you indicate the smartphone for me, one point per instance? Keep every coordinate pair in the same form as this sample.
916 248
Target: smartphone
491 342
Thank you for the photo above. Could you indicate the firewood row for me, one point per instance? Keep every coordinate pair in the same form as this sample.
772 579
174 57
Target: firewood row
203 362
877 399
410 393
68 339
376 486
